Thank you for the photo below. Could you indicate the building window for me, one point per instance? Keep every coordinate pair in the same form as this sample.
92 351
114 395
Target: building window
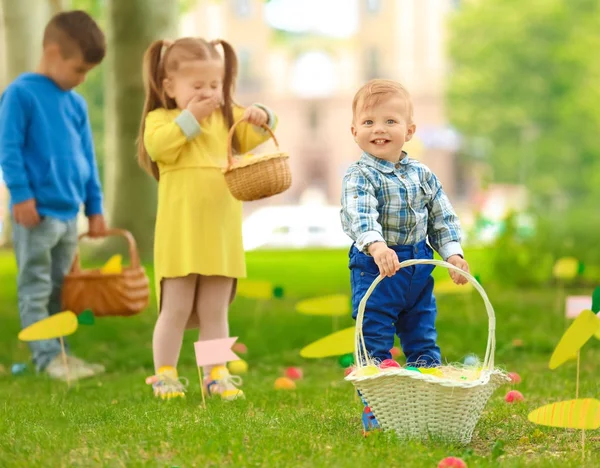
372 64
242 8
373 6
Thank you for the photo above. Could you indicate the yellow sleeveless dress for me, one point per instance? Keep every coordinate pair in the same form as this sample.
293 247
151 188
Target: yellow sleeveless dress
198 223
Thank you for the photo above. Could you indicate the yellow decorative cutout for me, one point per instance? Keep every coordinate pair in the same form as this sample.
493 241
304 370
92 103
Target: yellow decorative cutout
566 268
255 289
61 324
448 287
114 266
336 344
337 304
583 413
580 331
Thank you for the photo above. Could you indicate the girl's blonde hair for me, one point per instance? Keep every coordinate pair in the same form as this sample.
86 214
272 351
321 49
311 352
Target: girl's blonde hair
163 57
373 91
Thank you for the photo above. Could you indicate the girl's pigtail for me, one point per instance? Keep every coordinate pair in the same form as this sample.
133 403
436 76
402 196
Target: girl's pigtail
153 76
231 68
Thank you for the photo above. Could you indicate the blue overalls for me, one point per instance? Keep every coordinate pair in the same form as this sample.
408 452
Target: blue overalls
402 305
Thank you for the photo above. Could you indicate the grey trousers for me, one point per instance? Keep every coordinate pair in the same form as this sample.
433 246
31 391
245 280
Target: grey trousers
44 256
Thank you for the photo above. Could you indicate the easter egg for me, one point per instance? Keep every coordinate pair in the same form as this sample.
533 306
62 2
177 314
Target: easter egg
367 370
514 377
431 371
412 368
284 383
452 462
514 396
18 368
238 367
239 348
348 371
471 360
294 373
388 364
346 360
395 351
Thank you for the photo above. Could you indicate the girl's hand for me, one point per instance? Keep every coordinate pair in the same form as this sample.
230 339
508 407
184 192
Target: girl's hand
461 263
255 116
202 107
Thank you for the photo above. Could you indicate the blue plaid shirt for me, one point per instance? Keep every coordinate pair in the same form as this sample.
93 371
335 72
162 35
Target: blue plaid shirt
400 204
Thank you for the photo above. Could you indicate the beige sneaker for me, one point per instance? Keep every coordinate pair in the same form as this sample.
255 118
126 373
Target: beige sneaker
58 371
76 362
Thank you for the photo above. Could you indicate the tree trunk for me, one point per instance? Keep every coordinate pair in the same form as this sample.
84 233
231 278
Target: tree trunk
22 28
130 192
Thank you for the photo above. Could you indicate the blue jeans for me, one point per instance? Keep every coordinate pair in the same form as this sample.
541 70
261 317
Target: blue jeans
44 256
402 305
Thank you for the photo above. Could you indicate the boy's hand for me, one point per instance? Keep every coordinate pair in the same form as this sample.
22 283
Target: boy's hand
461 263
385 258
26 214
255 116
97 226
202 107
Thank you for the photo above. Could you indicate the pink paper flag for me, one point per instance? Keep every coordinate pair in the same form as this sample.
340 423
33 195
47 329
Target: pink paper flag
215 351
576 304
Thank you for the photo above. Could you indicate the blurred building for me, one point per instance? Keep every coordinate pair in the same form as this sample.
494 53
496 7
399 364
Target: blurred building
310 81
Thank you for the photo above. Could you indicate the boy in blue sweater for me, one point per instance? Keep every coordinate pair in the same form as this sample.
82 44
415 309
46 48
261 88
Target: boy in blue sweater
48 163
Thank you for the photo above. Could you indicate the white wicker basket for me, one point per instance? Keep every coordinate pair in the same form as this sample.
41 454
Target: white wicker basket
423 406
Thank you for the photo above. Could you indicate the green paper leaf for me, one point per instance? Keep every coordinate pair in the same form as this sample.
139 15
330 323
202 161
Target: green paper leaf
478 278
581 268
596 300
86 317
278 292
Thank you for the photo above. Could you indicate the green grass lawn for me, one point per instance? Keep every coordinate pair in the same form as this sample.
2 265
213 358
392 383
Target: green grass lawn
114 420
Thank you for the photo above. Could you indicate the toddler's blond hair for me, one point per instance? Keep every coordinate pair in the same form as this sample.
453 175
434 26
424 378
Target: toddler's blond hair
375 90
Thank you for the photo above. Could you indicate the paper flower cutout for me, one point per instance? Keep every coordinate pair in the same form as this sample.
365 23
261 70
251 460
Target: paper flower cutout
337 304
566 268
583 413
255 289
55 326
580 331
336 344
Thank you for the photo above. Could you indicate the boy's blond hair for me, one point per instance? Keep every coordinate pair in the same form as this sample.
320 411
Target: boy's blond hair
373 91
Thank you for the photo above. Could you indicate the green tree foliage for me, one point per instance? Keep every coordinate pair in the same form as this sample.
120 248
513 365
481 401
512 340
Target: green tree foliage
525 83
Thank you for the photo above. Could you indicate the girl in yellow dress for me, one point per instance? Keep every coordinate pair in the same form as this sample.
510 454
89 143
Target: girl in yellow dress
198 250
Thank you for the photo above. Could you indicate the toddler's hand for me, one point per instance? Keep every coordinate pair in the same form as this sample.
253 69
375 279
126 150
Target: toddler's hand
385 258
461 263
26 214
255 116
97 226
203 107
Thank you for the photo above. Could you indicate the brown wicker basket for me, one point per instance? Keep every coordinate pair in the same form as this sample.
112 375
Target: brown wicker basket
257 177
126 293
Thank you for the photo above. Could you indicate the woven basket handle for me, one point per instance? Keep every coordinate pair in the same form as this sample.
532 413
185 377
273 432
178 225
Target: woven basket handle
134 257
361 355
230 141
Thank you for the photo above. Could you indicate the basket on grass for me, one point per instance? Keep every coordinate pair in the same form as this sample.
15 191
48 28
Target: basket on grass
125 293
441 405
257 177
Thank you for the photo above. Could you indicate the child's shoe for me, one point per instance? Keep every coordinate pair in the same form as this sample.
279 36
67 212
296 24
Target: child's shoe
166 384
369 421
221 382
75 369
